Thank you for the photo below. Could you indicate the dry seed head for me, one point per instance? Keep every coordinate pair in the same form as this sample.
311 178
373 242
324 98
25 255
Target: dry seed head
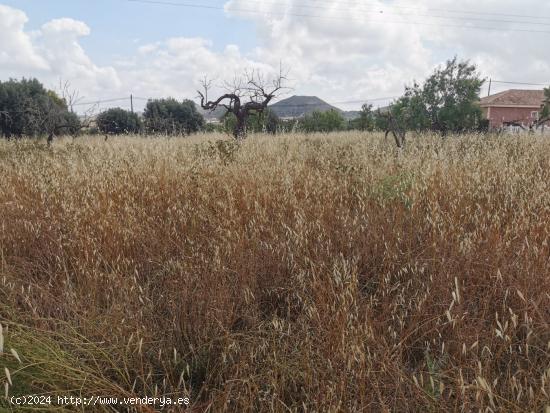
457 290
520 294
14 353
8 375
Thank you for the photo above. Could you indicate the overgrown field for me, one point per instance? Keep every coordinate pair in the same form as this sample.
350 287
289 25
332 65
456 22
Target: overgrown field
291 274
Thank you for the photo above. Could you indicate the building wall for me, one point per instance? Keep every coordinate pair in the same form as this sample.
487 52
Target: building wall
497 116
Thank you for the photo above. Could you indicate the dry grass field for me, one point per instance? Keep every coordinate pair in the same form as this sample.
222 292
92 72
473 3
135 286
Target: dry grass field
290 274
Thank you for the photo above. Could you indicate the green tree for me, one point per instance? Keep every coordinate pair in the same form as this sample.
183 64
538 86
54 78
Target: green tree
366 120
381 119
118 121
168 116
448 101
328 121
410 111
28 109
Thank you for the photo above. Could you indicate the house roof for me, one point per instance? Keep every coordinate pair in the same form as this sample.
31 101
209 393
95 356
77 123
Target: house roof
515 97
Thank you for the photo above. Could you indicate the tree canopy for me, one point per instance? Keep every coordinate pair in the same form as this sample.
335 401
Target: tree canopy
366 120
29 109
171 117
118 121
448 101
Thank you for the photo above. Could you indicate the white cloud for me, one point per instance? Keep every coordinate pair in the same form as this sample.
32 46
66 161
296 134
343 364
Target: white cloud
348 51
58 43
340 54
176 66
51 53
65 26
352 50
16 48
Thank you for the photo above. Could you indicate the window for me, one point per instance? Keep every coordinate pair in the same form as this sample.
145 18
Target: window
535 115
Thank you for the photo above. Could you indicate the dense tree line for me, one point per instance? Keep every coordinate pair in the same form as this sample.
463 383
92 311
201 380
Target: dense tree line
161 116
27 108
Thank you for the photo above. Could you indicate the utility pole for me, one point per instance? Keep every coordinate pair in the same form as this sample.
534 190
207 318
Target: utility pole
489 91
132 103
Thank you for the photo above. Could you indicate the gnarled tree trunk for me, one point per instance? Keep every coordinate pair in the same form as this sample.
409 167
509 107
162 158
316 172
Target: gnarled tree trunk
251 87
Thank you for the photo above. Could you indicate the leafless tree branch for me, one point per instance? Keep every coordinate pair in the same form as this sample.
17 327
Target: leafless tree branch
246 94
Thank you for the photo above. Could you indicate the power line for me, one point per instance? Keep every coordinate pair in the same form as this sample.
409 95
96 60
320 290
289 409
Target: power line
304 15
95 102
382 7
521 83
110 100
344 102
382 10
364 100
451 11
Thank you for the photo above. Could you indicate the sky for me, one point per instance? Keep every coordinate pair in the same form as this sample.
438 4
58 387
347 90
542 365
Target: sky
347 52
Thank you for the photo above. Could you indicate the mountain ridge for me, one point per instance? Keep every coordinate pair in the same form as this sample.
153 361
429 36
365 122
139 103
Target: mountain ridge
298 106
293 107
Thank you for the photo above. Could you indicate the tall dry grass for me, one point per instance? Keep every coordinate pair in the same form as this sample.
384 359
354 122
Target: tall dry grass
296 273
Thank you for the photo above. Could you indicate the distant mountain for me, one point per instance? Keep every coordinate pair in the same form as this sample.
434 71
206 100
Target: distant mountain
298 106
292 107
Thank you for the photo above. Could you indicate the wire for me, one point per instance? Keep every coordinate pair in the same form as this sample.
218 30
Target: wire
363 100
95 102
520 83
380 6
241 10
344 102
451 11
381 10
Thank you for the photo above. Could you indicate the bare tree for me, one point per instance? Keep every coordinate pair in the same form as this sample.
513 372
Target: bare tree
54 119
68 94
247 94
